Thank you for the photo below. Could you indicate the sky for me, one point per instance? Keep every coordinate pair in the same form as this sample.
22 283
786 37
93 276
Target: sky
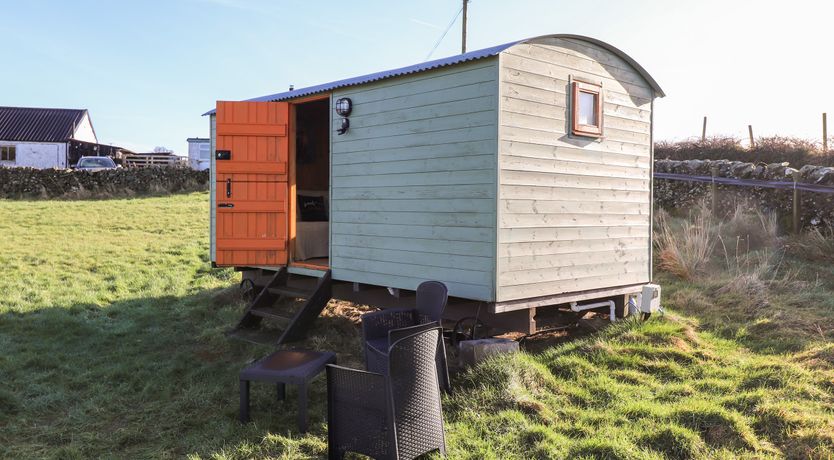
147 70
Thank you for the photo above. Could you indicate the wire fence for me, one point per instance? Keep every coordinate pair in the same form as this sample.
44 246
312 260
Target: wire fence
794 206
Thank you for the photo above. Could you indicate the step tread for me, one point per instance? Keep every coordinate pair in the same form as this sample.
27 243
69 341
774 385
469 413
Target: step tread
272 313
291 291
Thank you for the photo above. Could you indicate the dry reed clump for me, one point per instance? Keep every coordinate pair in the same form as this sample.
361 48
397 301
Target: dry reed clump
685 249
814 245
750 227
747 241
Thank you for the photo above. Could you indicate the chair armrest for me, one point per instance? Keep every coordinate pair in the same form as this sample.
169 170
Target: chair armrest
376 360
376 325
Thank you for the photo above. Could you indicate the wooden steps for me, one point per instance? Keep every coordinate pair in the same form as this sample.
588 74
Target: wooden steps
287 301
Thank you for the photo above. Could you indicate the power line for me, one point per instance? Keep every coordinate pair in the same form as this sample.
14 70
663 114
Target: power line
451 23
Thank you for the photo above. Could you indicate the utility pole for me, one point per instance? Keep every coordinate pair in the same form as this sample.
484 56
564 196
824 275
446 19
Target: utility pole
463 29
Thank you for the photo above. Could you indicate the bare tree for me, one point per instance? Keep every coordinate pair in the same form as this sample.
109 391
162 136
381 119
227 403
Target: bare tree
162 149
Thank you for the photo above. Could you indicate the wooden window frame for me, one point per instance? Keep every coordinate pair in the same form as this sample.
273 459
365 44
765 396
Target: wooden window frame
579 129
8 153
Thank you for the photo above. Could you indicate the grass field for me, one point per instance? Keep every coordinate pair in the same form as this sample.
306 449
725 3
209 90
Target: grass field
112 336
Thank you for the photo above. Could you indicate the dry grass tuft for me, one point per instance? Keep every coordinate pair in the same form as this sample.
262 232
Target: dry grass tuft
686 250
820 357
751 228
814 245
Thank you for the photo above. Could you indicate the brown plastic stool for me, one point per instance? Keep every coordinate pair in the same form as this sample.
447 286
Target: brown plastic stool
294 367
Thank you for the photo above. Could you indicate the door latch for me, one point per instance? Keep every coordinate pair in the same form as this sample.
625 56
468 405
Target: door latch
228 188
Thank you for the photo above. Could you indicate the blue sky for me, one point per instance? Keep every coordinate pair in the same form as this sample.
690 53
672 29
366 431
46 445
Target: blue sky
147 70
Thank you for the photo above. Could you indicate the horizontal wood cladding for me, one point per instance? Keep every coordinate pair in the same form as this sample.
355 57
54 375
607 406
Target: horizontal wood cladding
462 163
558 179
572 193
538 59
414 182
530 290
541 261
575 234
573 212
415 192
593 207
429 151
576 155
511 162
544 248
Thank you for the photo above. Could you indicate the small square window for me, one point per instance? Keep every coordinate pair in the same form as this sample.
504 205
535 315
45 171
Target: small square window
7 153
587 109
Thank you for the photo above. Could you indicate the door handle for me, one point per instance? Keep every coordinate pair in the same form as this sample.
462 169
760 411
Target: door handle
228 188
225 205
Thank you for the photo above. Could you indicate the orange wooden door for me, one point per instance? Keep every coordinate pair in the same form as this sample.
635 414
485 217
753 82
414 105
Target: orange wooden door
252 188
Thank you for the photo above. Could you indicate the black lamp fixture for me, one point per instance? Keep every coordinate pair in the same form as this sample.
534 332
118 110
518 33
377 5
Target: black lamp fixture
343 107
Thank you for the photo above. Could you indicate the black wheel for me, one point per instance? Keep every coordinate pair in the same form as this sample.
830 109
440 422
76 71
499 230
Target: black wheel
247 289
469 328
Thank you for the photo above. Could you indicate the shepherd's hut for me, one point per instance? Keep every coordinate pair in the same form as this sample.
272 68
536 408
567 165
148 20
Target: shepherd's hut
519 175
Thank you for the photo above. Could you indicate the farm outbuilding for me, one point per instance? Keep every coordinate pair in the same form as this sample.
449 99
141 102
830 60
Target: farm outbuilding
43 137
519 175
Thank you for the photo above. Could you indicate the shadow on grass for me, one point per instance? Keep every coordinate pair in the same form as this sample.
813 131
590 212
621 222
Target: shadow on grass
149 377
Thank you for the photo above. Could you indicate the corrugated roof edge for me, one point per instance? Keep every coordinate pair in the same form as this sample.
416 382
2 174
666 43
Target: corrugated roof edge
451 60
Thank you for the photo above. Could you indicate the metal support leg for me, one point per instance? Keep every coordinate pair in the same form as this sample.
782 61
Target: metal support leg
281 391
244 401
302 407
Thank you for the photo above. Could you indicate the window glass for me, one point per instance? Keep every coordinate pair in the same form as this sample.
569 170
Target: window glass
96 163
7 153
587 109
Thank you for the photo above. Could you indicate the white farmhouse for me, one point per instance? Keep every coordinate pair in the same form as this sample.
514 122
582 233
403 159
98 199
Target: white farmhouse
40 137
199 153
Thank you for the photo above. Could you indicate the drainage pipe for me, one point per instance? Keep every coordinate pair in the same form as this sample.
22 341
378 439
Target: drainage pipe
610 303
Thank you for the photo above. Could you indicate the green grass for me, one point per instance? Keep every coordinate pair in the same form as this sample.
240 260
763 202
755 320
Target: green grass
112 336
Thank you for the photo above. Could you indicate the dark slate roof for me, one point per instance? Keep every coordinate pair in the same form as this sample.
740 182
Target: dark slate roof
451 60
38 125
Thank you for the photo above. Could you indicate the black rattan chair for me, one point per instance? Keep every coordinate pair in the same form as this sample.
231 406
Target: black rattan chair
432 297
393 416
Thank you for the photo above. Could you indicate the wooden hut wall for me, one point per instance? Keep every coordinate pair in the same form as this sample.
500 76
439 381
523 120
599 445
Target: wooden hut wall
414 181
574 212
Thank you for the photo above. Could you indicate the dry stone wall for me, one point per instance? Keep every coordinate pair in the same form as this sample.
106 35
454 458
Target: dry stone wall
816 209
29 183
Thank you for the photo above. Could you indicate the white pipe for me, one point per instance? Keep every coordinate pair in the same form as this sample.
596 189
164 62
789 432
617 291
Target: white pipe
611 307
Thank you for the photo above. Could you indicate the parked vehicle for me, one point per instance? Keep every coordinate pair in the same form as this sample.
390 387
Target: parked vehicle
94 164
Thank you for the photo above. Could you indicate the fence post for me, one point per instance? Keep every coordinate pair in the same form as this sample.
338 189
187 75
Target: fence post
796 203
713 189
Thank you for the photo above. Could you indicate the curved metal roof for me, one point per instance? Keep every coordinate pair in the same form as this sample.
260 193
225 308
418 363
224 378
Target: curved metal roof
451 60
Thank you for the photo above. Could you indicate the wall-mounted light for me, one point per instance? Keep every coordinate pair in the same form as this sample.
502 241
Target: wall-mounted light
343 106
345 126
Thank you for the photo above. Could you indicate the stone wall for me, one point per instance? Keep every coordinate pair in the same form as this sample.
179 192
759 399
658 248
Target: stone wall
816 209
29 183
